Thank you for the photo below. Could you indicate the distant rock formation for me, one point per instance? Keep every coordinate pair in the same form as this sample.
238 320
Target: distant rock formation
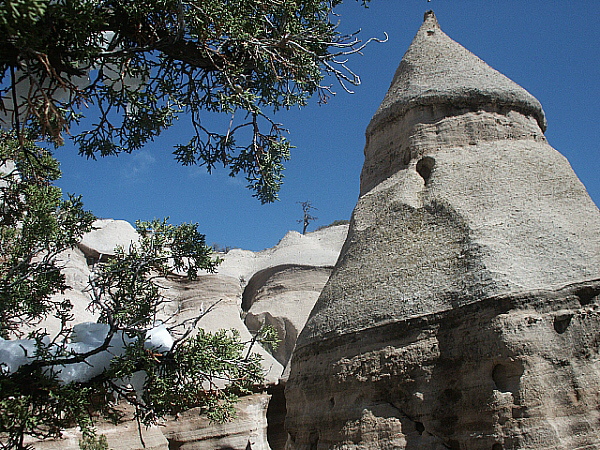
464 310
283 296
278 286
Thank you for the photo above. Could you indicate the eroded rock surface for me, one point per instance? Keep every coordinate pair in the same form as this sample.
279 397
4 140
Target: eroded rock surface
283 297
463 312
282 283
248 430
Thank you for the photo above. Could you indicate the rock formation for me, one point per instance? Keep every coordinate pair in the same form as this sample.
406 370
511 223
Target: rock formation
278 285
283 297
463 311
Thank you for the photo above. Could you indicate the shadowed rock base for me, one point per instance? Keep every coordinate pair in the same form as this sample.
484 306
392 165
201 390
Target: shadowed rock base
505 373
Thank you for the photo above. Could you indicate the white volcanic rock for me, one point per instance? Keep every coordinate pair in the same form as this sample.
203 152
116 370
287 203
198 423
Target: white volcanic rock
318 248
77 273
283 296
249 430
106 236
76 269
243 274
187 299
8 169
125 436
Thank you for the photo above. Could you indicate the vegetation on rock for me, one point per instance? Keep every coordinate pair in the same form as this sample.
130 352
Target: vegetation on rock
307 217
50 382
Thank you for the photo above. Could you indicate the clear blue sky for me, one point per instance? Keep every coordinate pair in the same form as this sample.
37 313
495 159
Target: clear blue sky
551 48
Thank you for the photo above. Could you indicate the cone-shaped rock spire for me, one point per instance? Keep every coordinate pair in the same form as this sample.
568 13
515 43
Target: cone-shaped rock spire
464 309
461 200
438 78
437 70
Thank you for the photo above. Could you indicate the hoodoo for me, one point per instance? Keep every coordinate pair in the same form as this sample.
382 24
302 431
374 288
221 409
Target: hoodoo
464 309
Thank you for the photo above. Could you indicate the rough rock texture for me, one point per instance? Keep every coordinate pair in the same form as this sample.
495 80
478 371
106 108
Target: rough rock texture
283 297
293 273
248 430
463 312
437 74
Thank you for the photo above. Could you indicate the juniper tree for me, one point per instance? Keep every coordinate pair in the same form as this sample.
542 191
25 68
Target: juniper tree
149 62
307 217
50 382
133 68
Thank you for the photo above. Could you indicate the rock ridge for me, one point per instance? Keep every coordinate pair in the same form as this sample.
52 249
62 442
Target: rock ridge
281 285
574 295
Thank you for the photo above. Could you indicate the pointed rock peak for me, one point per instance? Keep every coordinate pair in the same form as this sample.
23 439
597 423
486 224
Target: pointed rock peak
430 19
438 71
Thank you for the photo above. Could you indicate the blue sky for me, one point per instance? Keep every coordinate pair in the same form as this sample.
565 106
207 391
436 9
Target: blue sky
551 48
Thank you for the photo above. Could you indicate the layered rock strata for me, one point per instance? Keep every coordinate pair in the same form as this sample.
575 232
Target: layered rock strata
463 312
282 297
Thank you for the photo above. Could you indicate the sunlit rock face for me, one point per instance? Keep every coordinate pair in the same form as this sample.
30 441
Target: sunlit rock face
463 311
277 286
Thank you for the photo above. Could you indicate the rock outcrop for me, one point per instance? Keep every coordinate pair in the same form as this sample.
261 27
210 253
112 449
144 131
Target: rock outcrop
463 311
283 296
247 431
278 285
106 236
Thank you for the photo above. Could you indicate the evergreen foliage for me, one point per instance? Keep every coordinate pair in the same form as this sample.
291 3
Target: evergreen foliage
307 217
150 62
60 382
136 67
35 226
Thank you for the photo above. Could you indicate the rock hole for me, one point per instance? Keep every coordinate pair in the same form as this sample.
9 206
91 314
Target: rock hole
562 322
452 395
453 445
497 446
406 157
586 295
313 439
331 402
174 444
419 427
519 412
425 167
507 377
